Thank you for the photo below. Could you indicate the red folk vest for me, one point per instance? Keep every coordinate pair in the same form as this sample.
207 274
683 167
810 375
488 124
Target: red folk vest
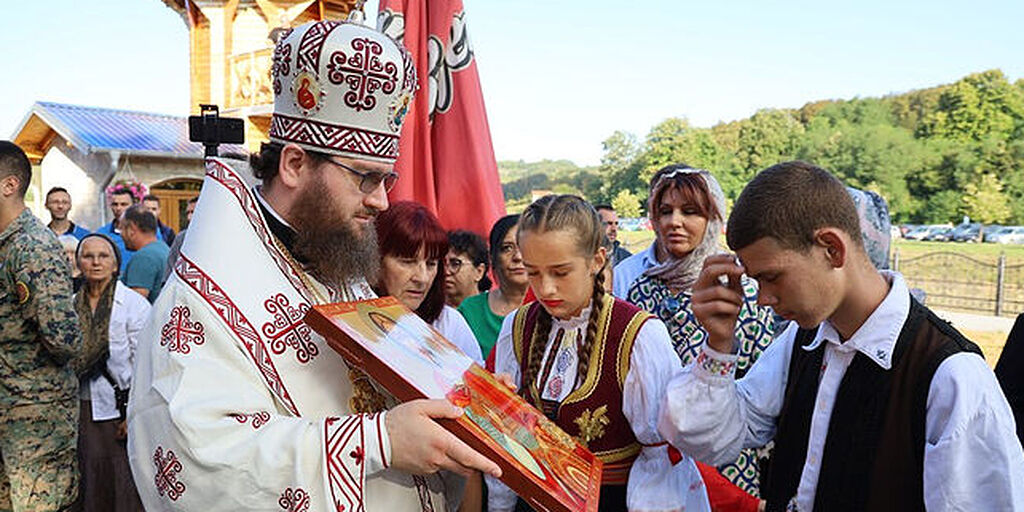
592 413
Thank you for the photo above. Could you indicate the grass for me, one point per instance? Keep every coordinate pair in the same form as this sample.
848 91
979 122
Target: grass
991 343
985 251
636 241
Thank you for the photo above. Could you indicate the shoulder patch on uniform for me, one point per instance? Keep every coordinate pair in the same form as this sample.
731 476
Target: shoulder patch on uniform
21 288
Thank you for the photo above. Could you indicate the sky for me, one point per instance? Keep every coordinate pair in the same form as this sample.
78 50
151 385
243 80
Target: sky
560 76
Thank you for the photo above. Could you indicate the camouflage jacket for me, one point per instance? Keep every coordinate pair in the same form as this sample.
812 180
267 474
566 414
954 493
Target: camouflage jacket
39 332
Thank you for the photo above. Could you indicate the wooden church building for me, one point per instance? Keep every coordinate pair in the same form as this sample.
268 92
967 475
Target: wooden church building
85 149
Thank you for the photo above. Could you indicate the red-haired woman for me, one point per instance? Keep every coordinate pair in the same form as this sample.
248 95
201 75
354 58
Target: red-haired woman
413 246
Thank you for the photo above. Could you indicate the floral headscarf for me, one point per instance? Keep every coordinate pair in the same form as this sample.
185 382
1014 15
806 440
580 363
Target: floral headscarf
681 273
874 225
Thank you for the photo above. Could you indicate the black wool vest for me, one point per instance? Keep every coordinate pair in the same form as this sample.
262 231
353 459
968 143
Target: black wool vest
873 457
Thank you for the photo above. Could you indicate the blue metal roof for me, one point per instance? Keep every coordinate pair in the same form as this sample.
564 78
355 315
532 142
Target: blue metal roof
103 129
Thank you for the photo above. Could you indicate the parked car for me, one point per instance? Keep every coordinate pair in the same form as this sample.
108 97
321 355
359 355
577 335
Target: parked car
895 232
907 228
631 223
939 234
915 232
923 232
992 231
967 232
1010 235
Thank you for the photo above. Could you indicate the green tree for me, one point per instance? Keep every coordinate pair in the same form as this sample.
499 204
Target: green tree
976 106
921 150
985 201
627 203
770 136
620 166
565 188
877 157
941 207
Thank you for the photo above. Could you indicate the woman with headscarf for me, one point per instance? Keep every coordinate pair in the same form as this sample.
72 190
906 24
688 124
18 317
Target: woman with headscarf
111 316
687 210
485 311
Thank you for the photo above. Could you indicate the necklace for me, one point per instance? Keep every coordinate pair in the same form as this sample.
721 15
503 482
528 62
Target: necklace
365 397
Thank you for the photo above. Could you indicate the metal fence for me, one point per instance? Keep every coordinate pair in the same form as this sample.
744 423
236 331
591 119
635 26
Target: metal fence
957 282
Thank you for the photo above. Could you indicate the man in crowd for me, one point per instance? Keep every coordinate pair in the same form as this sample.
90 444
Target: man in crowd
165 232
610 219
180 239
58 202
873 402
237 404
120 200
38 337
145 273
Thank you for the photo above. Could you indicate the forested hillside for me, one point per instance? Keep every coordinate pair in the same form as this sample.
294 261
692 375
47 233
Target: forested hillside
935 154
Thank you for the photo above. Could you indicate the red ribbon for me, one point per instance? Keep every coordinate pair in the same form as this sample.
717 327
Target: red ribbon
674 455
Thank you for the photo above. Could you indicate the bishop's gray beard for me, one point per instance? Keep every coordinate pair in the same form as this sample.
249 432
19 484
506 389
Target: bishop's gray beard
337 253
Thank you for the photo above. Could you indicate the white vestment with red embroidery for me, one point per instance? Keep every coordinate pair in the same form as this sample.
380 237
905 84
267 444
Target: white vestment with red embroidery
236 403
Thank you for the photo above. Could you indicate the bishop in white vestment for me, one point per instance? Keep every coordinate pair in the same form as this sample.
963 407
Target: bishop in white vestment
236 403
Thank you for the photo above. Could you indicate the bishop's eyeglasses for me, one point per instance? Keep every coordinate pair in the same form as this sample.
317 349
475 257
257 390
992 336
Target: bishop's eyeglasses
370 180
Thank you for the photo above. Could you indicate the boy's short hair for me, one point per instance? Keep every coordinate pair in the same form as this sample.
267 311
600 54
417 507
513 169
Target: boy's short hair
789 202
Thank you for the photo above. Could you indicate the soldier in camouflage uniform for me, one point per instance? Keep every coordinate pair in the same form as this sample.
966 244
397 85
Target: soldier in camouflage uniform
39 335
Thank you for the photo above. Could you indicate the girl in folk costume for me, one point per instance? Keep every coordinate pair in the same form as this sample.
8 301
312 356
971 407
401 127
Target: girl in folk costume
597 366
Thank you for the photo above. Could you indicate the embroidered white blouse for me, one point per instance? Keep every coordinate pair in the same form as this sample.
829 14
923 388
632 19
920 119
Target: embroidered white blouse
972 459
654 483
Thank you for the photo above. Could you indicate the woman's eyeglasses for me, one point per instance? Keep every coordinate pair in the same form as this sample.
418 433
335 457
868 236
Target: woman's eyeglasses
370 180
454 265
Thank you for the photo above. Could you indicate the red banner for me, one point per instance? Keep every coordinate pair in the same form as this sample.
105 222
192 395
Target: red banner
446 158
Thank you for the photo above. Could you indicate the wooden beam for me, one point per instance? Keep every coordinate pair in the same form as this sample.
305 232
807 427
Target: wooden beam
271 12
34 155
230 10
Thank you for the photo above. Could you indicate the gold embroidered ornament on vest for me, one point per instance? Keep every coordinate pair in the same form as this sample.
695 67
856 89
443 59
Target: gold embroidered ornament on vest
591 424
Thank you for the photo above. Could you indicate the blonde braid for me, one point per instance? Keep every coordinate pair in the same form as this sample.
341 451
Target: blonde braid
588 343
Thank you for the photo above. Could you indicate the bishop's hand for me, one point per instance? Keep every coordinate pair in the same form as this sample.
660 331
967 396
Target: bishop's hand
420 446
717 299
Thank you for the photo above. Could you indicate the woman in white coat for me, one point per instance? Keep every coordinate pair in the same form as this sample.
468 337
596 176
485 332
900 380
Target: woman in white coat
111 317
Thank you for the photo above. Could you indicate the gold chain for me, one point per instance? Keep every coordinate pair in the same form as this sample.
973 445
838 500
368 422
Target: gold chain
307 282
365 398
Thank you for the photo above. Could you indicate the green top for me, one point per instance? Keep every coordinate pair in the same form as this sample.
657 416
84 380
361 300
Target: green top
485 323
39 331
